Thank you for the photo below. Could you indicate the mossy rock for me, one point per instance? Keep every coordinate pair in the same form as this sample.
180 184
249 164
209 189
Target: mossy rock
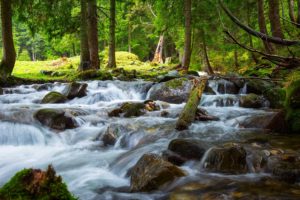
251 101
55 119
292 106
94 75
151 172
54 97
173 91
31 184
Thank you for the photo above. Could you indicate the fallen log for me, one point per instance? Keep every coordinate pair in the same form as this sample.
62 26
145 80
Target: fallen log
189 111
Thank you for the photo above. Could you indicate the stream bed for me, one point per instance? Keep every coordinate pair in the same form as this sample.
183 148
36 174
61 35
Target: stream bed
95 171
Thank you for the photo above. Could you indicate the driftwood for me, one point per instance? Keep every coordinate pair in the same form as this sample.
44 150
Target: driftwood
188 113
255 33
287 62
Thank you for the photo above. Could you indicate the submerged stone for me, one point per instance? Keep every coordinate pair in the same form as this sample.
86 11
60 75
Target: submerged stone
151 172
229 159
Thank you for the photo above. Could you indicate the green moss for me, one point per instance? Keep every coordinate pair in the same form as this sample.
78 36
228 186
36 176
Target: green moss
292 106
25 186
93 75
54 97
176 83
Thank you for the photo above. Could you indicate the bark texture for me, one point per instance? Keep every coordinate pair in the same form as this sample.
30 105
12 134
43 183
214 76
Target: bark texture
9 53
112 39
158 56
188 113
84 43
188 34
93 34
274 18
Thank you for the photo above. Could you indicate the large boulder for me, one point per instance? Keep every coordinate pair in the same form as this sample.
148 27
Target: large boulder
151 172
275 122
54 97
274 93
228 159
31 184
55 119
251 101
173 91
184 150
292 106
75 90
227 87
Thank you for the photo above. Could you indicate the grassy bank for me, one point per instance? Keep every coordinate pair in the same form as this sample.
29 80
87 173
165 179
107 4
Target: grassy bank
65 69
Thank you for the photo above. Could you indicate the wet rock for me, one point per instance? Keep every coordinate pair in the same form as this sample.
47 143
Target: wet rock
227 87
230 159
208 90
173 157
130 109
110 137
164 113
41 87
188 149
173 91
31 184
55 119
285 166
94 74
75 90
251 101
151 172
1 91
54 97
274 122
202 115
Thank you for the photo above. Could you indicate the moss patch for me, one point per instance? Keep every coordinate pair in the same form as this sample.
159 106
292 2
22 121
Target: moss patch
31 184
176 83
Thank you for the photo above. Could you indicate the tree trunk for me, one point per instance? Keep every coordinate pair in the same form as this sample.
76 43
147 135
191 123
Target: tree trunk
112 40
188 34
74 49
188 114
291 10
262 25
84 43
158 56
274 18
298 18
93 34
236 59
9 53
129 37
208 67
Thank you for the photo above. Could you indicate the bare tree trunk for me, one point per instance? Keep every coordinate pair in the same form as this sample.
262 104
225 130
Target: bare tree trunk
84 43
291 10
262 25
112 39
208 67
188 34
298 18
9 53
93 34
74 49
129 37
236 59
158 56
274 17
250 37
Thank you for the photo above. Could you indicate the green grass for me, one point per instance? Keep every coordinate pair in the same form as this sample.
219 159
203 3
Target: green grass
67 67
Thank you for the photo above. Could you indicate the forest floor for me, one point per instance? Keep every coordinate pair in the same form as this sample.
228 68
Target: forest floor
65 69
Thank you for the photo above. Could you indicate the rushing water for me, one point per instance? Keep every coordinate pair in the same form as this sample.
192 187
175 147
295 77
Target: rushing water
91 170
